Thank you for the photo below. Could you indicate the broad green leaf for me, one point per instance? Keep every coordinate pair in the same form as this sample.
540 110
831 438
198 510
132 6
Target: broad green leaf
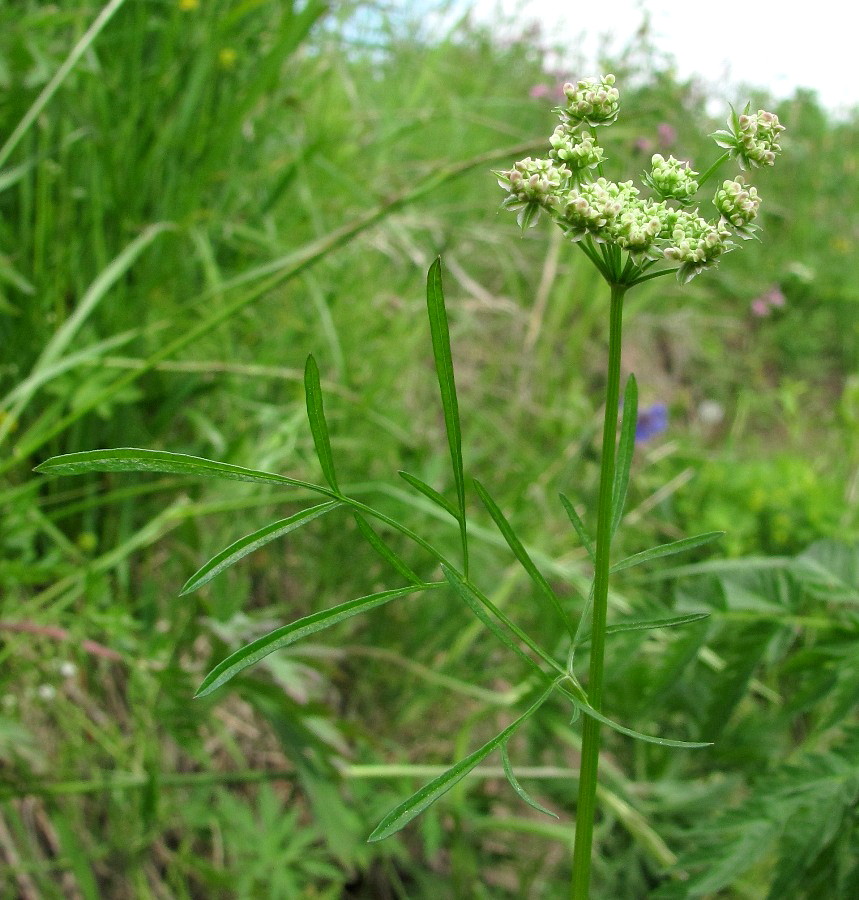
667 550
251 542
579 525
625 450
521 554
477 601
318 426
430 493
385 551
401 816
444 369
648 624
132 459
577 698
514 783
295 631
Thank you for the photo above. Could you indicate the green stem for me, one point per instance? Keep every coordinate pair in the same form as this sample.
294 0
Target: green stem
591 728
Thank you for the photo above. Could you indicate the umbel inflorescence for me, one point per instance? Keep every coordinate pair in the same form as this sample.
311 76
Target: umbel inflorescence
624 233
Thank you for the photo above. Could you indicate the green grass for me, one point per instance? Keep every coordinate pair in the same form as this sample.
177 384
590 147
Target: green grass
212 195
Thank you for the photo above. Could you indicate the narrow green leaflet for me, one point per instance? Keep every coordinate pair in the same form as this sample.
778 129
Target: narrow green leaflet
444 369
132 459
667 550
625 450
295 631
577 698
579 525
477 601
318 426
521 554
649 624
385 551
514 783
430 493
401 816
246 545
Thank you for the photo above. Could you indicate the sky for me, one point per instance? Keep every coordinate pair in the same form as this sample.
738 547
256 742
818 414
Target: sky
778 47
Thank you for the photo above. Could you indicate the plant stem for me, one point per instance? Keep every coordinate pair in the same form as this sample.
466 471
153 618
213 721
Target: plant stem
591 728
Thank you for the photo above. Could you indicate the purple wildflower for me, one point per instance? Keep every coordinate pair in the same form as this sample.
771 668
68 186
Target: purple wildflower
652 421
770 299
667 135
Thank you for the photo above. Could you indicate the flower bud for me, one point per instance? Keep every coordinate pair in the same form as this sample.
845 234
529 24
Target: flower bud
592 101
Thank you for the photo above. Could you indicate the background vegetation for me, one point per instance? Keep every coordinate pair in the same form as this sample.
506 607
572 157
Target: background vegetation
218 188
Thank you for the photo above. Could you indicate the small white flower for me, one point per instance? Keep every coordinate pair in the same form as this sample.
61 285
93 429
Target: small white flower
68 669
739 205
752 138
671 178
46 692
595 102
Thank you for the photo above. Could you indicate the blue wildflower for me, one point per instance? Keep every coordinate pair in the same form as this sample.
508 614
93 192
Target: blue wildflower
652 421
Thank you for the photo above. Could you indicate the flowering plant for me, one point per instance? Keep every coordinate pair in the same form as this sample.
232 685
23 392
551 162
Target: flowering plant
630 239
609 219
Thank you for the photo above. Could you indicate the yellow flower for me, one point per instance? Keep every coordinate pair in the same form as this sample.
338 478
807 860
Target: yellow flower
189 5
227 58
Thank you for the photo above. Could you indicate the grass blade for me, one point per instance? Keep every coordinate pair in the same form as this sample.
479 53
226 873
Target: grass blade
251 542
579 525
667 550
521 554
385 551
625 450
48 91
514 783
318 426
444 369
295 631
430 493
133 459
401 816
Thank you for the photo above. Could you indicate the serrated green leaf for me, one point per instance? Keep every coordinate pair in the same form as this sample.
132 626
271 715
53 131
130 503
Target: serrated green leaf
579 525
625 450
295 631
430 493
576 696
447 386
521 554
381 547
419 801
514 783
667 550
318 426
133 459
251 542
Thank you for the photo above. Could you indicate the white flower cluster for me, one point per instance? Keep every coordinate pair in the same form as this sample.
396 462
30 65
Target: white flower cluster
595 102
578 152
533 184
696 244
592 209
752 138
595 210
671 178
739 204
